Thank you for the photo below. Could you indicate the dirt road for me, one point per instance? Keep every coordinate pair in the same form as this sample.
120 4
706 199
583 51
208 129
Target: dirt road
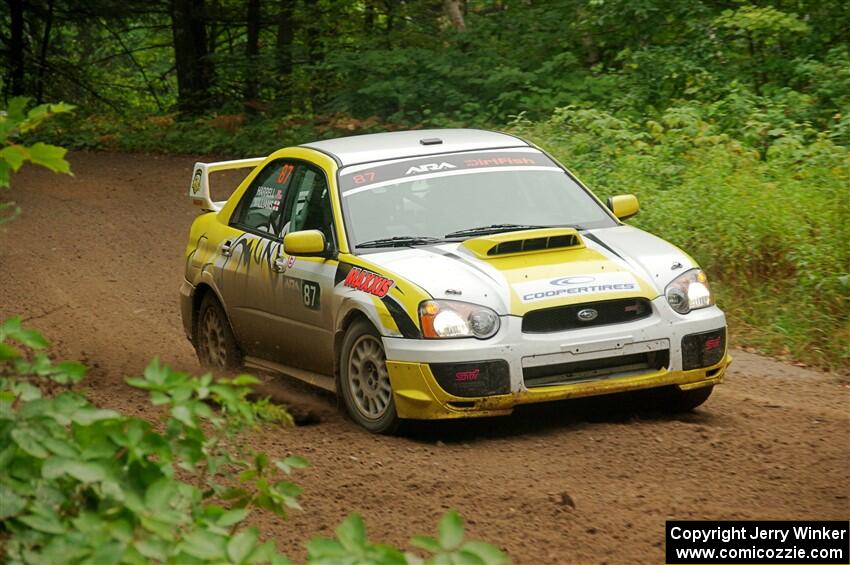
95 262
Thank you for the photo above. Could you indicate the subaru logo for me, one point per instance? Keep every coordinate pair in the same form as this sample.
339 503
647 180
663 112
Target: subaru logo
566 281
587 314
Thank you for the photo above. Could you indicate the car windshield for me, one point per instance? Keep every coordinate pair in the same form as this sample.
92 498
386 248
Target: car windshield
460 195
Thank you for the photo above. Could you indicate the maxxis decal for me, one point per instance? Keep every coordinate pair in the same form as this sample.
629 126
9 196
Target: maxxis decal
369 282
406 325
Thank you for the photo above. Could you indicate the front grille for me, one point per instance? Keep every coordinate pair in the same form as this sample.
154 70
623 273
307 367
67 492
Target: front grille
563 318
596 369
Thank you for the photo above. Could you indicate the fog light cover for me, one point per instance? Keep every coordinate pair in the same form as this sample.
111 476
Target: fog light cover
703 349
480 378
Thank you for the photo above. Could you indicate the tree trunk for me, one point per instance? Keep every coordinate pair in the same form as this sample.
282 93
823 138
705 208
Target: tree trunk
194 69
252 51
285 35
454 11
369 18
42 57
16 47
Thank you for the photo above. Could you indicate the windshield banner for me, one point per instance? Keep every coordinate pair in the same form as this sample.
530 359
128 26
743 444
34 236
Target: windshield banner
381 174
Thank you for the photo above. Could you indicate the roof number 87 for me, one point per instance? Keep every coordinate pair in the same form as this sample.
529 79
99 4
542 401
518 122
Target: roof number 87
364 177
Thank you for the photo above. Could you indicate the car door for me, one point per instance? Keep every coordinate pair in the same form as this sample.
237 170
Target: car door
305 304
247 279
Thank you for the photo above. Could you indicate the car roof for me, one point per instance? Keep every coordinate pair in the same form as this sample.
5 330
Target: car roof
366 148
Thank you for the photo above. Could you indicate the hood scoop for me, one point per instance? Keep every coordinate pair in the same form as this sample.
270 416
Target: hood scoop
524 242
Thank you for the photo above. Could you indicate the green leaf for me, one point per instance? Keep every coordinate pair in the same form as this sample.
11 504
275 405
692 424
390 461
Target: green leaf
182 414
10 503
15 155
267 553
15 108
427 543
159 494
31 338
232 517
244 380
27 391
87 416
43 524
205 545
351 533
83 471
51 157
487 553
323 548
29 441
152 548
450 530
242 544
7 352
292 462
61 447
68 372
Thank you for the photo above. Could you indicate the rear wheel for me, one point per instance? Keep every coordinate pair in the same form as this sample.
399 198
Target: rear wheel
215 343
364 381
676 400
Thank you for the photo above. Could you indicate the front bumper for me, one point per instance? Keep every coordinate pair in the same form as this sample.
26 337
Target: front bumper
419 396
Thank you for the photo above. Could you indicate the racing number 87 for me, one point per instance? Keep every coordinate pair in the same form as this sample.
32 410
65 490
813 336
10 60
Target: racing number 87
310 294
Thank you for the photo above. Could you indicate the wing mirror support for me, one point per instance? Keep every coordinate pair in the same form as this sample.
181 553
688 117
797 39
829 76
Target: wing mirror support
624 206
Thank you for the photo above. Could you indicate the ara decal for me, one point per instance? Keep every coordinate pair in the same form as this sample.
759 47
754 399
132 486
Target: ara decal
367 281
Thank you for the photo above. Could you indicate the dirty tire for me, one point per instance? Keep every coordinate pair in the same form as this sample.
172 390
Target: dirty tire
364 383
675 400
215 343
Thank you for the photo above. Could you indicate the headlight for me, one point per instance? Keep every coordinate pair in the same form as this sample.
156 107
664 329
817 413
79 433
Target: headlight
689 291
449 318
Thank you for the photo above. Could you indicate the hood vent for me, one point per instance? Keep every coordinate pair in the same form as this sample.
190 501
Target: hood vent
527 241
535 244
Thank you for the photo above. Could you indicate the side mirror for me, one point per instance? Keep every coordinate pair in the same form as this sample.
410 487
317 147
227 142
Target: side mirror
624 206
306 243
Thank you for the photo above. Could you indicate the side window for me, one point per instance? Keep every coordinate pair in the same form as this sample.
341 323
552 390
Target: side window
309 204
261 207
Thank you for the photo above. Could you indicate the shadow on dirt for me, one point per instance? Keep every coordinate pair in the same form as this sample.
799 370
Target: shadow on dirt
539 419
310 406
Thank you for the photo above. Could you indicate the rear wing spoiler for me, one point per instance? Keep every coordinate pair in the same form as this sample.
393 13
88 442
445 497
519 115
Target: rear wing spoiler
199 190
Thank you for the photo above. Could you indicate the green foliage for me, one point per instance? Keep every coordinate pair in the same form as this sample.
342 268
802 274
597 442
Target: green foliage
85 484
351 547
82 484
15 122
769 219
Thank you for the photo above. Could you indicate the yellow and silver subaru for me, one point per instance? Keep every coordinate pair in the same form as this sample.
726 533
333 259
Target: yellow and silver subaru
442 274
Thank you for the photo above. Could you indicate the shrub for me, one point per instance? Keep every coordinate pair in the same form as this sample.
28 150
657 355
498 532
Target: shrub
771 225
81 484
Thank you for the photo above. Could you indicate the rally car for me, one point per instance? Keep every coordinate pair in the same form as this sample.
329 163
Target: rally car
442 274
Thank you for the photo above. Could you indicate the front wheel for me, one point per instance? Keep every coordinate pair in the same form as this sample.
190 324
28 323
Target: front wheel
215 343
364 380
676 400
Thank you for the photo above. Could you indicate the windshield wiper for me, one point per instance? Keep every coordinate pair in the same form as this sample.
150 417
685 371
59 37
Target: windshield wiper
494 228
400 241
